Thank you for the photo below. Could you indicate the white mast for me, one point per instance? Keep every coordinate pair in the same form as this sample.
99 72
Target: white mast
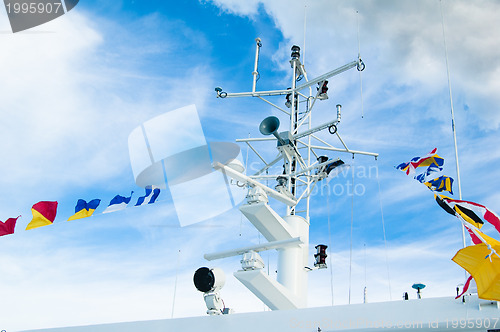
452 121
289 234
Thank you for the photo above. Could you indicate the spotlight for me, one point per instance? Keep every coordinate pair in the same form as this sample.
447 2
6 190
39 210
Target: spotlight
325 170
334 164
210 281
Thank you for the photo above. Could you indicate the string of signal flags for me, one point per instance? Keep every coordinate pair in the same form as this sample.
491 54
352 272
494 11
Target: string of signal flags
473 213
44 212
482 259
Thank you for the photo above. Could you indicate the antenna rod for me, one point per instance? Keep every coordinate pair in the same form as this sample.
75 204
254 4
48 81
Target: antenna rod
304 46
452 119
360 75
255 72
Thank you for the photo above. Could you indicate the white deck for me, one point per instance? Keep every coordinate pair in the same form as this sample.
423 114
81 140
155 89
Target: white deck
437 314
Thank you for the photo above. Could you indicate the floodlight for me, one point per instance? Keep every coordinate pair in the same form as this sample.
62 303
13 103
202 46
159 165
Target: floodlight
209 280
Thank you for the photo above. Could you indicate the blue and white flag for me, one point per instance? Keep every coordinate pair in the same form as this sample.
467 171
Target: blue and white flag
118 203
152 194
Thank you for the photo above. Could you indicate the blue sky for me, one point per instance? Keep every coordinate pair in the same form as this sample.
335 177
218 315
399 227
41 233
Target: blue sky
76 87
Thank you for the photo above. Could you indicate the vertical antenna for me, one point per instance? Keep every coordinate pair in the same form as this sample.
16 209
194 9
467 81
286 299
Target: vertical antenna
304 45
452 119
255 72
360 76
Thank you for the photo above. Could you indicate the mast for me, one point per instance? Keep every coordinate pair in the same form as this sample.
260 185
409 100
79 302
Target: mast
303 166
452 121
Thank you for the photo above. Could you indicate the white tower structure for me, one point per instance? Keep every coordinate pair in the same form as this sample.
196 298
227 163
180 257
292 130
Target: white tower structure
302 169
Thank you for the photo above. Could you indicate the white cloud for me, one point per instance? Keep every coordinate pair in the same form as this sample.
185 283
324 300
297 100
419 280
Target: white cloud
402 45
71 101
74 93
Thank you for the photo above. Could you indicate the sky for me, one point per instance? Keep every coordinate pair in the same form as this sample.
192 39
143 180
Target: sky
76 87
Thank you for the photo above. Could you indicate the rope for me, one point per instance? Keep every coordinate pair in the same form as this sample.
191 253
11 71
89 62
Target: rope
478 233
385 238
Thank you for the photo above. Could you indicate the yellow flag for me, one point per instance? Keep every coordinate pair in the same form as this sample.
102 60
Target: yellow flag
476 260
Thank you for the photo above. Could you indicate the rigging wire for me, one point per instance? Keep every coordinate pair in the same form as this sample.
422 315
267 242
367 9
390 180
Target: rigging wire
352 221
175 283
364 245
364 295
246 169
329 240
383 230
360 75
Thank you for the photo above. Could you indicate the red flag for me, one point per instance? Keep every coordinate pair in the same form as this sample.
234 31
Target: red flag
466 287
8 226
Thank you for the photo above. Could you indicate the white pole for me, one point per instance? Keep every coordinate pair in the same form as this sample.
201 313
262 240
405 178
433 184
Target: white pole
255 71
304 45
452 119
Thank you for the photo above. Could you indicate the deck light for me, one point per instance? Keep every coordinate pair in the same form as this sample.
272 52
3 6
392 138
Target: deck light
320 256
